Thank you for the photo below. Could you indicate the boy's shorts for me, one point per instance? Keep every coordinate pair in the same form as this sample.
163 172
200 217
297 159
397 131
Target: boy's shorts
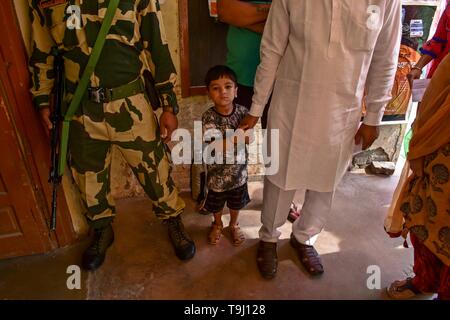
236 199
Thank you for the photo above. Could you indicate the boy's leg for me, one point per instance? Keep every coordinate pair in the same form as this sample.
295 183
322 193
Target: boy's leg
218 218
237 235
214 203
215 232
237 199
234 216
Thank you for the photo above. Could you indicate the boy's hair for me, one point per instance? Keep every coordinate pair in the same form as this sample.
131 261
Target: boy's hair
218 72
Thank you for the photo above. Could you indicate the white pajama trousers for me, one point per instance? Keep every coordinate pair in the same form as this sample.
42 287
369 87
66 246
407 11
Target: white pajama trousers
276 202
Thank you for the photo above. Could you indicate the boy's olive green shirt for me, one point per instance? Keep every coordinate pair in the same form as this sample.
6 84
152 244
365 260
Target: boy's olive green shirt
136 41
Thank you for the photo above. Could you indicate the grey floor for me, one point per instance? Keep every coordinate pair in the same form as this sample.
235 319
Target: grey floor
141 263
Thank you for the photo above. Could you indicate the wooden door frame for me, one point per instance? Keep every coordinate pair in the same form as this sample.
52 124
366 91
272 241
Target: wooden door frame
186 89
34 143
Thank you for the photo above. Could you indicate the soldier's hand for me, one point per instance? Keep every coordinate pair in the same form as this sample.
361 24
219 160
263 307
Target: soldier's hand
45 119
249 122
367 134
168 122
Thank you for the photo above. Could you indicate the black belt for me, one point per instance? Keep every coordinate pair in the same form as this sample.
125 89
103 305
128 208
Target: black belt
102 95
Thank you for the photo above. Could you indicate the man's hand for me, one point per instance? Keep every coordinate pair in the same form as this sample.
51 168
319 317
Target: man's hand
413 75
242 14
45 119
168 122
367 135
249 122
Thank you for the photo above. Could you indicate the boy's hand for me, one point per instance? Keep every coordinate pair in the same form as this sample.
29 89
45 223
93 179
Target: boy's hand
249 122
168 123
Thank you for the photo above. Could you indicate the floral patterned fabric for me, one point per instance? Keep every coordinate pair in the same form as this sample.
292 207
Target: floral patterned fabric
426 204
431 275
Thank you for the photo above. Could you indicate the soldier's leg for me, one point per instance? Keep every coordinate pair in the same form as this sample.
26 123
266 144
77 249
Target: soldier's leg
141 145
155 179
91 164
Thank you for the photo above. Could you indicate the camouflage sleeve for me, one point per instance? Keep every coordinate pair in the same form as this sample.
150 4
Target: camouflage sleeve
41 60
157 50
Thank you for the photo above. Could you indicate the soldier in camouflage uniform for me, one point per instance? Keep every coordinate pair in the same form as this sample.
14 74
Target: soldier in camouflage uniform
122 118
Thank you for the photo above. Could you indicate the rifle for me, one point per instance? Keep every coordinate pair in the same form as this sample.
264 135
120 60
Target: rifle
55 178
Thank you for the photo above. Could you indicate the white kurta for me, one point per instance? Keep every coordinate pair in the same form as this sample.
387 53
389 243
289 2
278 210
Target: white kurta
317 56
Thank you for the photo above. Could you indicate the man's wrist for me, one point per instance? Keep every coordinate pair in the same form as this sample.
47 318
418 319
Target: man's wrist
170 109
169 103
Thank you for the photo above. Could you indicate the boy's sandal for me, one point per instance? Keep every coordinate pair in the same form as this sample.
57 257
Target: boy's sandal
403 289
215 233
237 236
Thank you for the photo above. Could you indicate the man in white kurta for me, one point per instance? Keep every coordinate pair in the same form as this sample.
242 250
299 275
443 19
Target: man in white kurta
317 56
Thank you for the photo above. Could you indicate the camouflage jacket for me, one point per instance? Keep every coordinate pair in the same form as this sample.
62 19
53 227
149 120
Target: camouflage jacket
136 41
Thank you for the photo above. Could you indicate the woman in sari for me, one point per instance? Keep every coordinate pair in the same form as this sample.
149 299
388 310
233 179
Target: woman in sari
421 204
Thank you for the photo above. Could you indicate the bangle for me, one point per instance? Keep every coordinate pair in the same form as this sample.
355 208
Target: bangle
417 68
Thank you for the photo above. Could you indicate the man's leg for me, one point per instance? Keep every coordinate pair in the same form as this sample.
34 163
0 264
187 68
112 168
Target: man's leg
143 149
296 206
91 165
315 212
275 205
306 228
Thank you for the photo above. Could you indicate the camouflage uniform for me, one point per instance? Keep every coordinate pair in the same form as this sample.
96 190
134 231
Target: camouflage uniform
136 41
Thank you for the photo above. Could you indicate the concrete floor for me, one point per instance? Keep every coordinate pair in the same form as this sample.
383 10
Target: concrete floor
141 263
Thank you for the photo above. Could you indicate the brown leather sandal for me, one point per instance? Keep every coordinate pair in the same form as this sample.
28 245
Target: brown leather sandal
403 289
267 259
309 257
237 236
215 234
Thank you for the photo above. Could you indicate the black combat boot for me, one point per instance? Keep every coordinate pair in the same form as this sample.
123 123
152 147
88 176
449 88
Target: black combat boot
94 256
182 243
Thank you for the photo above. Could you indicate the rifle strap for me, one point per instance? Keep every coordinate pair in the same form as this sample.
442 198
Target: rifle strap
84 82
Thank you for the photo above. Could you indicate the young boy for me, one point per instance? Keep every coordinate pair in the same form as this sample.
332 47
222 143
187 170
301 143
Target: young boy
226 183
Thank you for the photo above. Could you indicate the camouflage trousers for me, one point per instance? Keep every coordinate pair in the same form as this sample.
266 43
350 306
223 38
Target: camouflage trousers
130 126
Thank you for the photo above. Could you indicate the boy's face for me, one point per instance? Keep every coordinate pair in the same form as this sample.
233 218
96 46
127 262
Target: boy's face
222 91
